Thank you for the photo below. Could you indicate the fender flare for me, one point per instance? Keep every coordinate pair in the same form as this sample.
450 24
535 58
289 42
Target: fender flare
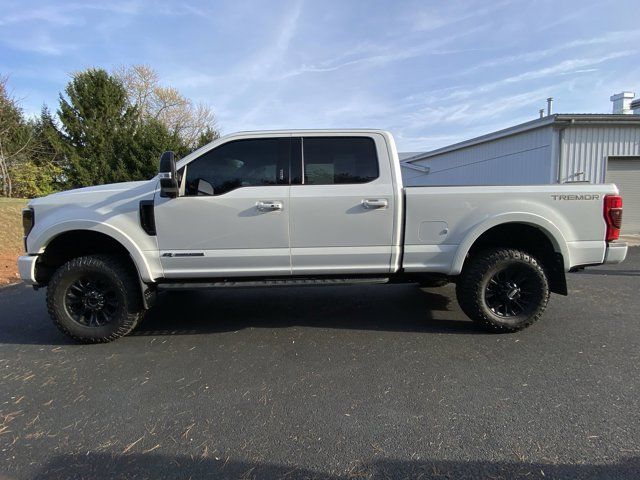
551 231
46 236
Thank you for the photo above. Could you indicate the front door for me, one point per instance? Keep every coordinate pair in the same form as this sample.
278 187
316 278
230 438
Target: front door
342 206
232 217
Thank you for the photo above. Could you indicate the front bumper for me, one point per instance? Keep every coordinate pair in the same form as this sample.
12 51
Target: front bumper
27 268
616 252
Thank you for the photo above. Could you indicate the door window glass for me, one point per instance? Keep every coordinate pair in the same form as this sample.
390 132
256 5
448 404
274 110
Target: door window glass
336 160
240 163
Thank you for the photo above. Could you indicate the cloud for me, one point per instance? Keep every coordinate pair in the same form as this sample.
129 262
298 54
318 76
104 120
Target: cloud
569 17
426 20
41 43
66 14
473 106
477 110
373 60
566 66
49 14
570 66
623 37
380 55
274 54
54 30
260 65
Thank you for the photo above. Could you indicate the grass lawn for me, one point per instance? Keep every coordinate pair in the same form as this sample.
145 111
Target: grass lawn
11 245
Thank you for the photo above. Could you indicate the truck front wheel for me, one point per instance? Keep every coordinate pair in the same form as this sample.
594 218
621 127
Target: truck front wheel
503 290
95 299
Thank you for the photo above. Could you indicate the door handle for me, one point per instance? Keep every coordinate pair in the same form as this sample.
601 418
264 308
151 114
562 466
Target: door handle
373 203
268 206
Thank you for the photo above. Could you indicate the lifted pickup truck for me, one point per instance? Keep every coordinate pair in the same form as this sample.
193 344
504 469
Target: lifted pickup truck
321 207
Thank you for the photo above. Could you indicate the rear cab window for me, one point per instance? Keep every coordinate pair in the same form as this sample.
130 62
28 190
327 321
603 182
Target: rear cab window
337 160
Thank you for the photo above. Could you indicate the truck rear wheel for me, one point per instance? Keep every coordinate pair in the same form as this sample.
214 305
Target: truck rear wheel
95 299
503 290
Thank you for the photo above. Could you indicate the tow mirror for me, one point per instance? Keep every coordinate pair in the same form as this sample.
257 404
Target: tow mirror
167 174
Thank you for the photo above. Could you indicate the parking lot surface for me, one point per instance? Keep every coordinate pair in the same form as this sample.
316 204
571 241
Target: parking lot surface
331 383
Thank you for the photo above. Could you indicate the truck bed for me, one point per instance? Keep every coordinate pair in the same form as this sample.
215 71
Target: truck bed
442 222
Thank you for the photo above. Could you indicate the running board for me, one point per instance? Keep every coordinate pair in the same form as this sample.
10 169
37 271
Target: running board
289 282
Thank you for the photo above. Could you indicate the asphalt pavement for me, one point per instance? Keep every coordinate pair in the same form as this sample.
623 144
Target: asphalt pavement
330 383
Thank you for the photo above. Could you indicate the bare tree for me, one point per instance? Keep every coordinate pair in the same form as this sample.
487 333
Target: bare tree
15 139
140 81
179 114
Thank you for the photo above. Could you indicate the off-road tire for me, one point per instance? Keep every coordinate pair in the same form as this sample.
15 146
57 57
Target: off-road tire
123 286
471 289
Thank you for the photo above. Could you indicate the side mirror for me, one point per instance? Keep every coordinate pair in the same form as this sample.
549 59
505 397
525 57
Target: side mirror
167 173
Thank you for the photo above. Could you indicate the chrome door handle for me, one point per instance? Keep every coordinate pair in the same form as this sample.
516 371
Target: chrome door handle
268 206
372 203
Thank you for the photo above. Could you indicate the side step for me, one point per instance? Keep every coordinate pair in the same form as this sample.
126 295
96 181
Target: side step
274 282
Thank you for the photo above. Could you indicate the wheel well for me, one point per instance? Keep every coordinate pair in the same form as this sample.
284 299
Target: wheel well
73 244
529 239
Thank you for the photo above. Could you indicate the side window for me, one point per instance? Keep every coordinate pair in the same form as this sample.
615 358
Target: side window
336 160
239 163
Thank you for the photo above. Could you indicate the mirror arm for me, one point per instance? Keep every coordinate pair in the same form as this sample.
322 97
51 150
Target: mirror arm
168 188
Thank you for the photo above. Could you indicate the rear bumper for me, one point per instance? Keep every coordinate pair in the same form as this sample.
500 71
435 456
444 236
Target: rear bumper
616 252
27 269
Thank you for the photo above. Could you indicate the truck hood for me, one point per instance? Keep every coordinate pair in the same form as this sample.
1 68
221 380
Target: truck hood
104 194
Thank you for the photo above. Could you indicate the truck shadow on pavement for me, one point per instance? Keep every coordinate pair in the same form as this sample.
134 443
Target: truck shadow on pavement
374 307
381 307
99 466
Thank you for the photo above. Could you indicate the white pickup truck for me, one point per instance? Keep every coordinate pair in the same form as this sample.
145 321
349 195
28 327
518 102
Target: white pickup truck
323 207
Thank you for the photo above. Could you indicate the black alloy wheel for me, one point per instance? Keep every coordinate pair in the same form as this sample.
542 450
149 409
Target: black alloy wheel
512 291
92 300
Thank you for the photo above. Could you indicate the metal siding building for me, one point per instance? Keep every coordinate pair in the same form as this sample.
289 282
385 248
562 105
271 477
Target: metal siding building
554 149
585 149
514 159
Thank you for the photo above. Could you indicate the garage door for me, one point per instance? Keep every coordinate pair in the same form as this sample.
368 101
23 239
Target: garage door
625 173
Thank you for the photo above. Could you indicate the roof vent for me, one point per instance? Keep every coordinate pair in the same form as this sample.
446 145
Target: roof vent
635 106
622 102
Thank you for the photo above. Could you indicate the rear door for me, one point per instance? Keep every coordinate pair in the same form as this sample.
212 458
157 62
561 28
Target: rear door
342 205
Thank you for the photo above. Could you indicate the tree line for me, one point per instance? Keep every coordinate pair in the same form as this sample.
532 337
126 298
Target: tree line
108 127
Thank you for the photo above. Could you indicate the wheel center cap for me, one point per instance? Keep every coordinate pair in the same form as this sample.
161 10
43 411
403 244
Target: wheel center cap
94 300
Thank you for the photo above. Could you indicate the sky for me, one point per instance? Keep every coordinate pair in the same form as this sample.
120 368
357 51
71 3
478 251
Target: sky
433 72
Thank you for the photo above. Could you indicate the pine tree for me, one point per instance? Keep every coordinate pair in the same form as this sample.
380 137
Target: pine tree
97 125
142 151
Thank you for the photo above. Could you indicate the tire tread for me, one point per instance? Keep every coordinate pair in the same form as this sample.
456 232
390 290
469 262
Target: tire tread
469 296
127 284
